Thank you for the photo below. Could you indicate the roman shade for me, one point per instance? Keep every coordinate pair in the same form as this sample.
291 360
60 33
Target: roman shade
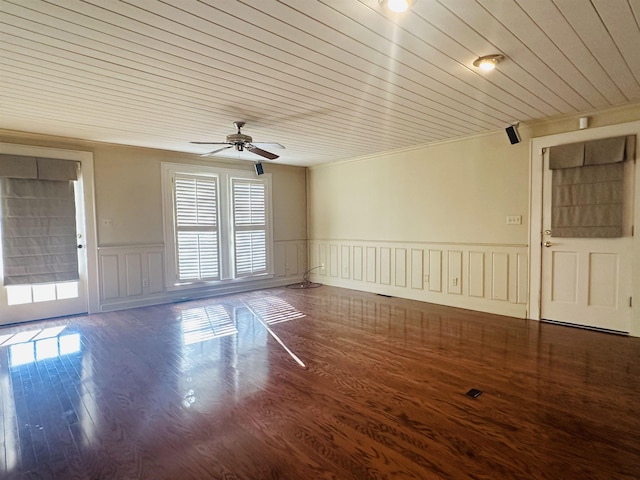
587 187
37 168
566 156
38 220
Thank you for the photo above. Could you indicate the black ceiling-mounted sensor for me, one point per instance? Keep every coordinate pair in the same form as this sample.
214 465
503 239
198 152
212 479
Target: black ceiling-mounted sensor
259 169
512 133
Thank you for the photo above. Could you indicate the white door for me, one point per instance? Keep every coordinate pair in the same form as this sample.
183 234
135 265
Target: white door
587 281
32 302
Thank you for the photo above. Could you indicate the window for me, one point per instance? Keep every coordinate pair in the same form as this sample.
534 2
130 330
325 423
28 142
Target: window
250 227
217 224
38 232
196 224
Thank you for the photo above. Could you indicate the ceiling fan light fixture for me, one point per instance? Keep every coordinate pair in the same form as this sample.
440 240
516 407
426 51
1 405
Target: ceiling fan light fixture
488 62
396 6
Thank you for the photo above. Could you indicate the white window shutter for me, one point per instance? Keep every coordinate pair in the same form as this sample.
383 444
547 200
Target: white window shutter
250 227
196 220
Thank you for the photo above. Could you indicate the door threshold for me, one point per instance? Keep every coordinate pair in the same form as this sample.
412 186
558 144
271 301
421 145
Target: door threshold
585 327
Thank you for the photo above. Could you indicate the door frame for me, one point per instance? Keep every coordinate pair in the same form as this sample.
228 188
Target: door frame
536 164
86 171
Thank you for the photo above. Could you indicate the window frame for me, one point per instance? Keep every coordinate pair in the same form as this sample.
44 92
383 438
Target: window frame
226 232
245 227
196 227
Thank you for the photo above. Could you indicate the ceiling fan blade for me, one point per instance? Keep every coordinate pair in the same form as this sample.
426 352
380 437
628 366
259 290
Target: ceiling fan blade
215 151
268 144
211 143
258 151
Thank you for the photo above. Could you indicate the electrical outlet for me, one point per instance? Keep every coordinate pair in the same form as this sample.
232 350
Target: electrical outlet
454 282
145 282
514 219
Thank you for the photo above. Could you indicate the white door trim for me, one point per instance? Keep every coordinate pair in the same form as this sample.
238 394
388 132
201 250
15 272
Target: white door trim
91 242
535 200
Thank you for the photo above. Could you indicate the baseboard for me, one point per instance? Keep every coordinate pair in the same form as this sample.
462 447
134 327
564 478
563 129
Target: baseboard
496 307
186 295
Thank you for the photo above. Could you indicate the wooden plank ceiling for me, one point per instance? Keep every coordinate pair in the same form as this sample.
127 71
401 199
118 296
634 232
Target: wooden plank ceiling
329 79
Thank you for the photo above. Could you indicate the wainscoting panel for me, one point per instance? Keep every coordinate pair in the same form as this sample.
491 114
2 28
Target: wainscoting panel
133 269
435 270
489 278
385 265
500 277
454 270
291 260
303 256
130 272
401 267
334 261
345 261
134 275
156 272
280 259
323 259
357 263
417 268
109 278
476 274
371 264
523 278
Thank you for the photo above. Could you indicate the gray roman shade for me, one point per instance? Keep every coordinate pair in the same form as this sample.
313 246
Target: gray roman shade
37 168
587 181
38 220
566 156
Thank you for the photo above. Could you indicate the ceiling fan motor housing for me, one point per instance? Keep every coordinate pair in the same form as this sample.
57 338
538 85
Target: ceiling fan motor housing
240 142
239 139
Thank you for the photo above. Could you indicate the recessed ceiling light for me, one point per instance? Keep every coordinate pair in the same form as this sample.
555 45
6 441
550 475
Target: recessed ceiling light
488 62
396 6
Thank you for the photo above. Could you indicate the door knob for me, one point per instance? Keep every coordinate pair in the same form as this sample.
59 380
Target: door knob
547 244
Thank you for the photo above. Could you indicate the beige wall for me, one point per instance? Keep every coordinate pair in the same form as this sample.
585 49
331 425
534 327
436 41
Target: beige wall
129 193
457 191
430 223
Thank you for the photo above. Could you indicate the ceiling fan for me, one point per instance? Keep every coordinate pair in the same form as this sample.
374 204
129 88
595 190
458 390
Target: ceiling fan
242 142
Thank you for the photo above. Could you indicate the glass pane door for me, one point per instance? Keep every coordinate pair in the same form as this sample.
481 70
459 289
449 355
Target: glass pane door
20 303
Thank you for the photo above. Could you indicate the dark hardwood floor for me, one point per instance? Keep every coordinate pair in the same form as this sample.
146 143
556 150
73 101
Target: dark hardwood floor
201 390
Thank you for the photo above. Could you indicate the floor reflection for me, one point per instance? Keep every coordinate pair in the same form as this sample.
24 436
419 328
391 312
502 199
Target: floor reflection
206 323
226 350
42 388
70 386
274 310
43 348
